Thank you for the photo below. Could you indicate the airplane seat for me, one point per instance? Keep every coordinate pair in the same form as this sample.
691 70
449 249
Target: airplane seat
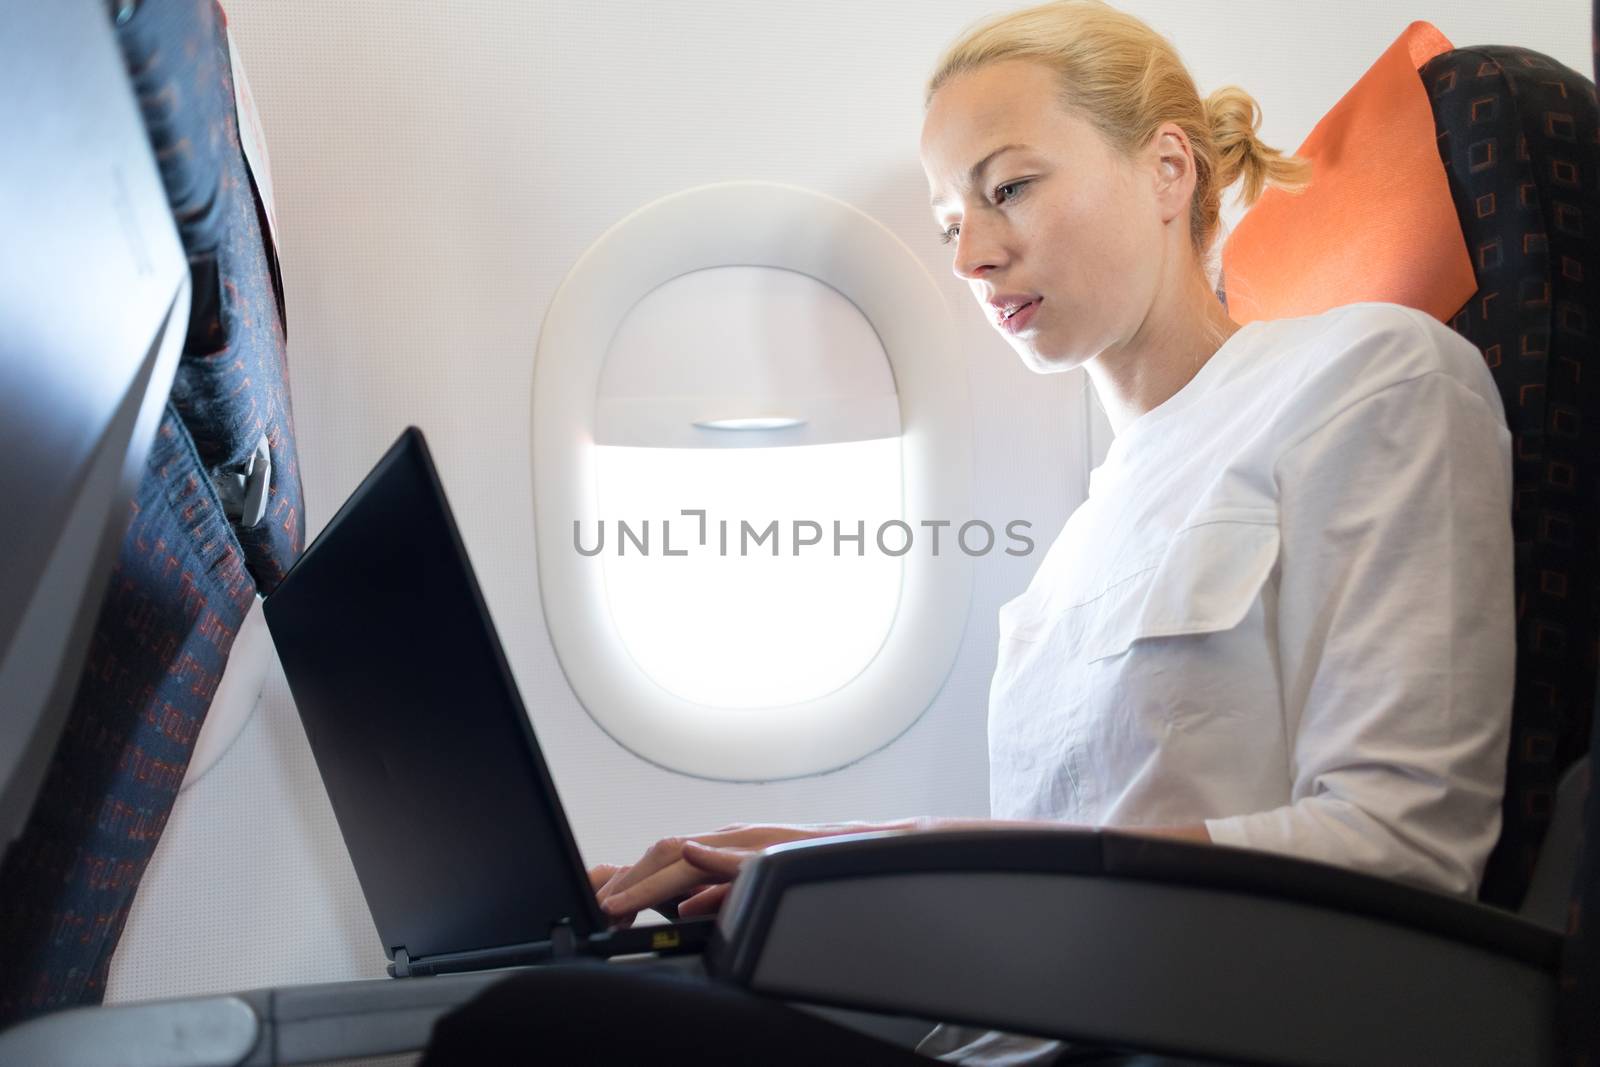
1499 244
215 520
1518 136
1517 132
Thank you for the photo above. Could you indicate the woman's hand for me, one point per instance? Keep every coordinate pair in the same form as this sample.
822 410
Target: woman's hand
694 870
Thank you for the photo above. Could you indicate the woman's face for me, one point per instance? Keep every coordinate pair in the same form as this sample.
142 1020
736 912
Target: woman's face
1042 212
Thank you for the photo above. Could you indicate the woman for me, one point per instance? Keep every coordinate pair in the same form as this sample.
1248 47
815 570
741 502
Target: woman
1283 617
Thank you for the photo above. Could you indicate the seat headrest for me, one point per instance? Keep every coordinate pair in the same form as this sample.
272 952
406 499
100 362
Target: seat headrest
1377 221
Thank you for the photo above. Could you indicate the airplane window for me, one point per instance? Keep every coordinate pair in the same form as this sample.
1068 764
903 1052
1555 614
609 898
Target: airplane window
751 618
761 456
748 411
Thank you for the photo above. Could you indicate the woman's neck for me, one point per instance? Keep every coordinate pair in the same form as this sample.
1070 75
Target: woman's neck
1164 354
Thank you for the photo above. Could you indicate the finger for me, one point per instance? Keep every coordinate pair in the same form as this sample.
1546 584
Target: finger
670 883
621 922
706 902
605 874
661 855
719 861
665 884
601 873
610 886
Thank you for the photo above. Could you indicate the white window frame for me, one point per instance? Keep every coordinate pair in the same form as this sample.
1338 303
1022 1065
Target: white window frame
789 228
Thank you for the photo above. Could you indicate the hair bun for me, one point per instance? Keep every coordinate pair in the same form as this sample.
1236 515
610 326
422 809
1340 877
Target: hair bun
1235 118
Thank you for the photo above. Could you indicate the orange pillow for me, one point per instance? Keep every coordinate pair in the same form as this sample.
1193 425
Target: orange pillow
1376 222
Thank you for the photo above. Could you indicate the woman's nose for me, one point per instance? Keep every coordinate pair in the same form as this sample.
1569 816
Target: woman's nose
976 253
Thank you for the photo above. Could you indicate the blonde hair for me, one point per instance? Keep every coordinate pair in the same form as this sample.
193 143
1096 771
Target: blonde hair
1126 80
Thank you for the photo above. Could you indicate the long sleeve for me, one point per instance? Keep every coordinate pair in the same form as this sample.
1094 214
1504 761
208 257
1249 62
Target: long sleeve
1395 629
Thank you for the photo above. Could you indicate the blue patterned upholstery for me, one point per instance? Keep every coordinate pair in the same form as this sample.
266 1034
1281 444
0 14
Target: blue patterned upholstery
232 387
1517 133
185 576
178 594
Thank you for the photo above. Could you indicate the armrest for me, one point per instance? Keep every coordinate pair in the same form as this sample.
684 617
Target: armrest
271 1027
200 1032
310 1024
1145 943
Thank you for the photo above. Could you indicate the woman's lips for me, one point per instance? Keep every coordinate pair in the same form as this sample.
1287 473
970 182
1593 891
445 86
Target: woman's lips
1019 320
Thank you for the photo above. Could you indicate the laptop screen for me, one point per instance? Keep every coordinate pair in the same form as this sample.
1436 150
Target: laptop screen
442 796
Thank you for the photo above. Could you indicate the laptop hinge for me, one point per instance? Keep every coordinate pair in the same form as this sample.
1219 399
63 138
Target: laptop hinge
563 942
563 945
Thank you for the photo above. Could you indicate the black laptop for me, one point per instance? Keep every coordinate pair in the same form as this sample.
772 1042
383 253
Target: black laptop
450 815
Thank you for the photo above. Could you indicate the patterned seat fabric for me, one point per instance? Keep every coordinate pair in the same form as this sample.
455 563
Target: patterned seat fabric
1517 135
178 594
232 387
185 577
1520 140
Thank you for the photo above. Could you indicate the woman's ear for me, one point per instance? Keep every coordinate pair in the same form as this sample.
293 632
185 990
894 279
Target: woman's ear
1174 170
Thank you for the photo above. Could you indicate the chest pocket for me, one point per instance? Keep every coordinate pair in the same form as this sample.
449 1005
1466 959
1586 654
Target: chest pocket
1205 582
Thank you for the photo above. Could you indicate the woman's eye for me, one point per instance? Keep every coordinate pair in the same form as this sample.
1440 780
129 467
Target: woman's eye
1002 189
950 235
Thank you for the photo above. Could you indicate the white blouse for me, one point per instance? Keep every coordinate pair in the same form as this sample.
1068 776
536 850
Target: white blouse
1285 610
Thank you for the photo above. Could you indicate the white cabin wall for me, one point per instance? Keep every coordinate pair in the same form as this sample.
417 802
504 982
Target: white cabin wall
438 167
